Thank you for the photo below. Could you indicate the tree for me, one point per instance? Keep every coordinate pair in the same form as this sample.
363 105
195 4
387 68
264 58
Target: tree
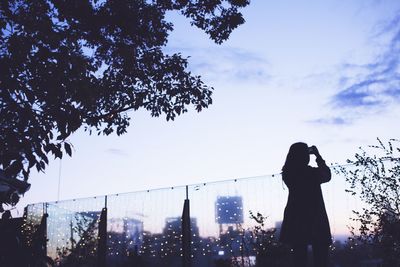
66 64
375 179
83 242
269 251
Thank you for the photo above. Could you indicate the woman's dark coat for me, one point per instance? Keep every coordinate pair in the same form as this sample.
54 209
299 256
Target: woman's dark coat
305 220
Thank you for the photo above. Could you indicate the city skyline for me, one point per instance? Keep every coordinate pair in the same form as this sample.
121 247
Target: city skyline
261 194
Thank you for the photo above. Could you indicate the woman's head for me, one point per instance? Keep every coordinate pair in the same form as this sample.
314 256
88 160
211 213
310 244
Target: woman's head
298 156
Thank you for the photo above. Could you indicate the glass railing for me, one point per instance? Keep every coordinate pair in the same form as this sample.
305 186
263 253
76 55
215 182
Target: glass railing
145 228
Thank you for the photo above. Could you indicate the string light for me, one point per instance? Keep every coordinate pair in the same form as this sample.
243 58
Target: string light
135 230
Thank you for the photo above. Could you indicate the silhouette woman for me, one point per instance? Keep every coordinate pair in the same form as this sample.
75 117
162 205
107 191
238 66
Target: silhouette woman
305 221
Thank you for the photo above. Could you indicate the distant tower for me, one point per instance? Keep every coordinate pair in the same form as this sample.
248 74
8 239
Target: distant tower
228 211
278 227
133 231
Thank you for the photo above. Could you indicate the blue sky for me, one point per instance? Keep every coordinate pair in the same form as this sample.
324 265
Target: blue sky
322 72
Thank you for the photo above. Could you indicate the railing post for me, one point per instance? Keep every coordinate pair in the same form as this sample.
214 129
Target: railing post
43 231
186 232
102 245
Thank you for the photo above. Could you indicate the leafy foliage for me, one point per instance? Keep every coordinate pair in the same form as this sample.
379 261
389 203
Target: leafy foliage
376 180
71 63
269 251
83 243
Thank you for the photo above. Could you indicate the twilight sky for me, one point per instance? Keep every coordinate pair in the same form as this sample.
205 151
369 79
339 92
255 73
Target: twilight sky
322 72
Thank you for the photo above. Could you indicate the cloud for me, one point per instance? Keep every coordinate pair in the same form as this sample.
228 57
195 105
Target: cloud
374 85
369 93
117 152
226 64
331 121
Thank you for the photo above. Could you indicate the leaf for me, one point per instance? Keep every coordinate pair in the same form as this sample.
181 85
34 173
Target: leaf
45 159
42 165
67 148
15 167
58 153
38 167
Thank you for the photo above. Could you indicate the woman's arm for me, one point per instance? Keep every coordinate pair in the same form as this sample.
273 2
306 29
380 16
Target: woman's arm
323 171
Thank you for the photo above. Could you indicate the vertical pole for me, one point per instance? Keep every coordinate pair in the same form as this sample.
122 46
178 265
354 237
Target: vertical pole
71 239
102 245
40 237
186 232
44 222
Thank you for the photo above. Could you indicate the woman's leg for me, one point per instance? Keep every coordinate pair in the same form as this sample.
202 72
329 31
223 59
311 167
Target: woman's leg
300 255
320 255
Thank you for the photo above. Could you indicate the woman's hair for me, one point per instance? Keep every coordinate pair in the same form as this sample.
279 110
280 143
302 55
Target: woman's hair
297 157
